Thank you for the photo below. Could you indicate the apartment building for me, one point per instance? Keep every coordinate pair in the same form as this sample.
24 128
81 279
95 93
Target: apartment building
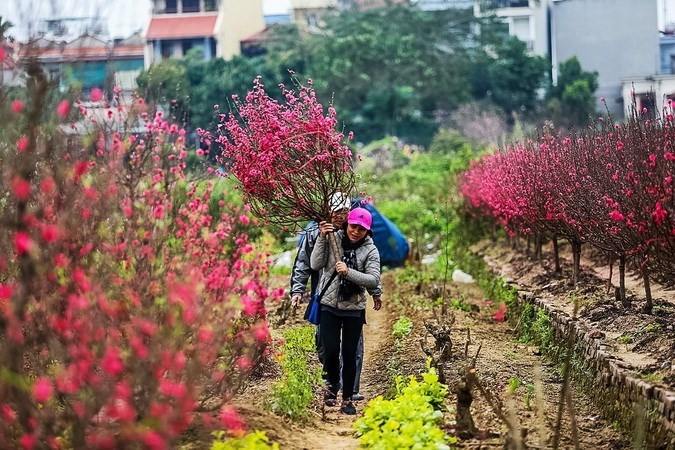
215 26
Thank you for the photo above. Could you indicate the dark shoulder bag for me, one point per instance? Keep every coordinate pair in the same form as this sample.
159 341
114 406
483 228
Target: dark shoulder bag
313 311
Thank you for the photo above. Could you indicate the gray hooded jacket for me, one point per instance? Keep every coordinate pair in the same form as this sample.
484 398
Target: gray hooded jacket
367 275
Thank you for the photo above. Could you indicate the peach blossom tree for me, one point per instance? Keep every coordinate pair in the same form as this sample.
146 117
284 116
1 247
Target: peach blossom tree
128 312
289 157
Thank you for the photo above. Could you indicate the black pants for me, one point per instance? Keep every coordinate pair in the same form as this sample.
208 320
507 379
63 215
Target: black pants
333 329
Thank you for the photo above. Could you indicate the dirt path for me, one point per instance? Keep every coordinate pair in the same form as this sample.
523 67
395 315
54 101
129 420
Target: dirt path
335 430
327 428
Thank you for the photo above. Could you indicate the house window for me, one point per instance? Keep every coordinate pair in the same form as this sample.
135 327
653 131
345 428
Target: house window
171 6
521 28
166 48
672 64
190 6
211 5
312 21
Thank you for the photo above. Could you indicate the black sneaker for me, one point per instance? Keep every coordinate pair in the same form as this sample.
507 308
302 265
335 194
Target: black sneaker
348 407
329 398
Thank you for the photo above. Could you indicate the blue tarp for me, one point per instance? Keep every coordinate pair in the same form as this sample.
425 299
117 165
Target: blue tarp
389 240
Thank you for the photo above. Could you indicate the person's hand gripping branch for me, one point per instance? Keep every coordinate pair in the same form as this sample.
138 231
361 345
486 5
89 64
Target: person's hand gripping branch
296 300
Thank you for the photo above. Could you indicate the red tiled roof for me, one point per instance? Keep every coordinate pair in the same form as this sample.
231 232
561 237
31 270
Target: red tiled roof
182 26
260 36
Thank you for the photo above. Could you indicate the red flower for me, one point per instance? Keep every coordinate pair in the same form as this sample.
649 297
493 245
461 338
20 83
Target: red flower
659 214
154 441
22 143
22 243
50 233
112 362
17 106
616 215
42 390
231 420
96 95
20 188
500 314
63 108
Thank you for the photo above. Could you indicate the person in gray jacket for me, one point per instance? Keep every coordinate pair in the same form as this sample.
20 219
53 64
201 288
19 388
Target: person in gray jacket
340 205
343 304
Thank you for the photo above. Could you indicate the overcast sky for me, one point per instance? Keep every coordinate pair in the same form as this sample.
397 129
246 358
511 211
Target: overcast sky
124 16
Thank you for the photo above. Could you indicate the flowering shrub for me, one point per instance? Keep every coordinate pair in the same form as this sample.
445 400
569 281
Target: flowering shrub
610 186
288 156
128 312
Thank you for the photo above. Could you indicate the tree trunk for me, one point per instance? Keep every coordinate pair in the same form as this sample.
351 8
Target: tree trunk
466 428
649 306
576 261
556 256
527 249
622 281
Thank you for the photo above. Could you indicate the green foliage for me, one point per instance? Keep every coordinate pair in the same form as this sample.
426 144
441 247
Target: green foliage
412 275
451 142
570 102
413 197
535 326
512 76
530 390
389 68
382 156
408 421
461 305
294 393
402 328
256 440
166 84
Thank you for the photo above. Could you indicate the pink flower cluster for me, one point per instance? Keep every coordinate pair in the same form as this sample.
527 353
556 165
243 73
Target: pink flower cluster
127 301
288 156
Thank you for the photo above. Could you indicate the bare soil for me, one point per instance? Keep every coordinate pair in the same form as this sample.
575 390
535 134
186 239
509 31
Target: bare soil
644 342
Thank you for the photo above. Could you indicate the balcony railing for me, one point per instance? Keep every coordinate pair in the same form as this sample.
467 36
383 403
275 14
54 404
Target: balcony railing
510 3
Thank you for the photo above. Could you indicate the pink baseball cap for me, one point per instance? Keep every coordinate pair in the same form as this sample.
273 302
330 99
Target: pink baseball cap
360 216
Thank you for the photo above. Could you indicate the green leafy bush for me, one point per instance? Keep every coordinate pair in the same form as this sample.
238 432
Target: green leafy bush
535 326
402 327
294 393
256 440
408 421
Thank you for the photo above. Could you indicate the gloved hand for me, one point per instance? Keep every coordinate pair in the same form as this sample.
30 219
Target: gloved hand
296 299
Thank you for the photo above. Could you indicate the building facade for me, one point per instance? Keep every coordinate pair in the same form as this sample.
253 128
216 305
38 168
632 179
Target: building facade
215 26
310 15
617 38
89 62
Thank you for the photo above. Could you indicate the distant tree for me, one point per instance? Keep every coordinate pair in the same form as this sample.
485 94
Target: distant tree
570 102
167 84
5 26
513 77
389 69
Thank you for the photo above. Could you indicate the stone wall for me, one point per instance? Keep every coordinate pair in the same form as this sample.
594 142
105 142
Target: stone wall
646 412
